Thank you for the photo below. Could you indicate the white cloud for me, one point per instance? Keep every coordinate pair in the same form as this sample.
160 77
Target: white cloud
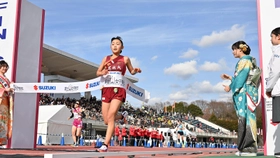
197 89
236 32
182 70
180 95
207 87
223 64
225 97
154 57
154 100
212 66
189 54
147 35
175 86
135 62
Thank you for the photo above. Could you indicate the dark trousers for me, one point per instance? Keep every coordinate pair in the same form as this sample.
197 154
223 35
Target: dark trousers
276 109
132 140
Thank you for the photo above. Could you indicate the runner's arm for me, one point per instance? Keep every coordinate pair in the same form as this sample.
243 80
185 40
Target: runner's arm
101 69
132 70
71 116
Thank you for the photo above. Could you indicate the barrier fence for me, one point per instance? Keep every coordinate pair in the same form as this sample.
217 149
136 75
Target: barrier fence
98 140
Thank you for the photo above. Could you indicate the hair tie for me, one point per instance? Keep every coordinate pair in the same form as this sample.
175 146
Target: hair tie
1 58
243 47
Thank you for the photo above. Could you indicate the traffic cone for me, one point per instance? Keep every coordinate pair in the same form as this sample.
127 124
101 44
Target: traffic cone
97 143
168 144
135 142
81 141
112 142
124 141
145 143
40 140
149 143
62 140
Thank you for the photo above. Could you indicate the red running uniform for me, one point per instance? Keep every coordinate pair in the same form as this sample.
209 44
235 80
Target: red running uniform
110 93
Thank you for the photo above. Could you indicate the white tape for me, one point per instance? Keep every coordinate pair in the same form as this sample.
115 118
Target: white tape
110 80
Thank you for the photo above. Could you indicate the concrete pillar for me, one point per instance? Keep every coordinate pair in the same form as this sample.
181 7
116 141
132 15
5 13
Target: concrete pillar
87 95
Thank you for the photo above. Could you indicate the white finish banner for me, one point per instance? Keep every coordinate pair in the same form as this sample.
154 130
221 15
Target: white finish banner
110 80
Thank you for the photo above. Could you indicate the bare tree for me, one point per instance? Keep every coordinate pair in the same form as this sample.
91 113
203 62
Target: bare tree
202 104
159 106
221 109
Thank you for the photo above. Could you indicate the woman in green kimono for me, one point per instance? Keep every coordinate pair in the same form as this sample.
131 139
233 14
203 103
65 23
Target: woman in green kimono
247 127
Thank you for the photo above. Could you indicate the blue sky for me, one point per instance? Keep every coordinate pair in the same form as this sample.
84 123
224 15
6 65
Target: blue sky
182 46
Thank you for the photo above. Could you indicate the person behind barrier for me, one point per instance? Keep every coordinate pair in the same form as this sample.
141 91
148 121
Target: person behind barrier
154 136
188 139
137 134
141 135
6 105
147 133
78 113
113 97
132 135
117 132
211 141
124 133
175 138
160 137
120 138
193 140
171 139
247 128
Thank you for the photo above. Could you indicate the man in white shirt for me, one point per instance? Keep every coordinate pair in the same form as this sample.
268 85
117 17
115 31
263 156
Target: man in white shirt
273 80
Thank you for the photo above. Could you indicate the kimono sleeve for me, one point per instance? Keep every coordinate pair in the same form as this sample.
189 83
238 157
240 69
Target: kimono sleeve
241 75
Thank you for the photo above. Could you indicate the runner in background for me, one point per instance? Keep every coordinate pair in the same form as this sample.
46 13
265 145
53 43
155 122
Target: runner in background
117 132
78 114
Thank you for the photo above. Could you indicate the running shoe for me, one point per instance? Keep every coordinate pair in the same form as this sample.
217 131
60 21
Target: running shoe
75 144
277 154
238 153
103 148
245 154
3 146
248 154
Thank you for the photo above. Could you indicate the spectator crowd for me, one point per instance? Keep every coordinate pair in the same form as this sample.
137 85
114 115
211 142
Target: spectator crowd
142 123
146 116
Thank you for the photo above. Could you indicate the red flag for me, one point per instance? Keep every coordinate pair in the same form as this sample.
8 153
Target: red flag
173 106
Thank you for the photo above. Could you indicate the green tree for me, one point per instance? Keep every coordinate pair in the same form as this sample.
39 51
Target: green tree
180 107
213 118
195 110
169 109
